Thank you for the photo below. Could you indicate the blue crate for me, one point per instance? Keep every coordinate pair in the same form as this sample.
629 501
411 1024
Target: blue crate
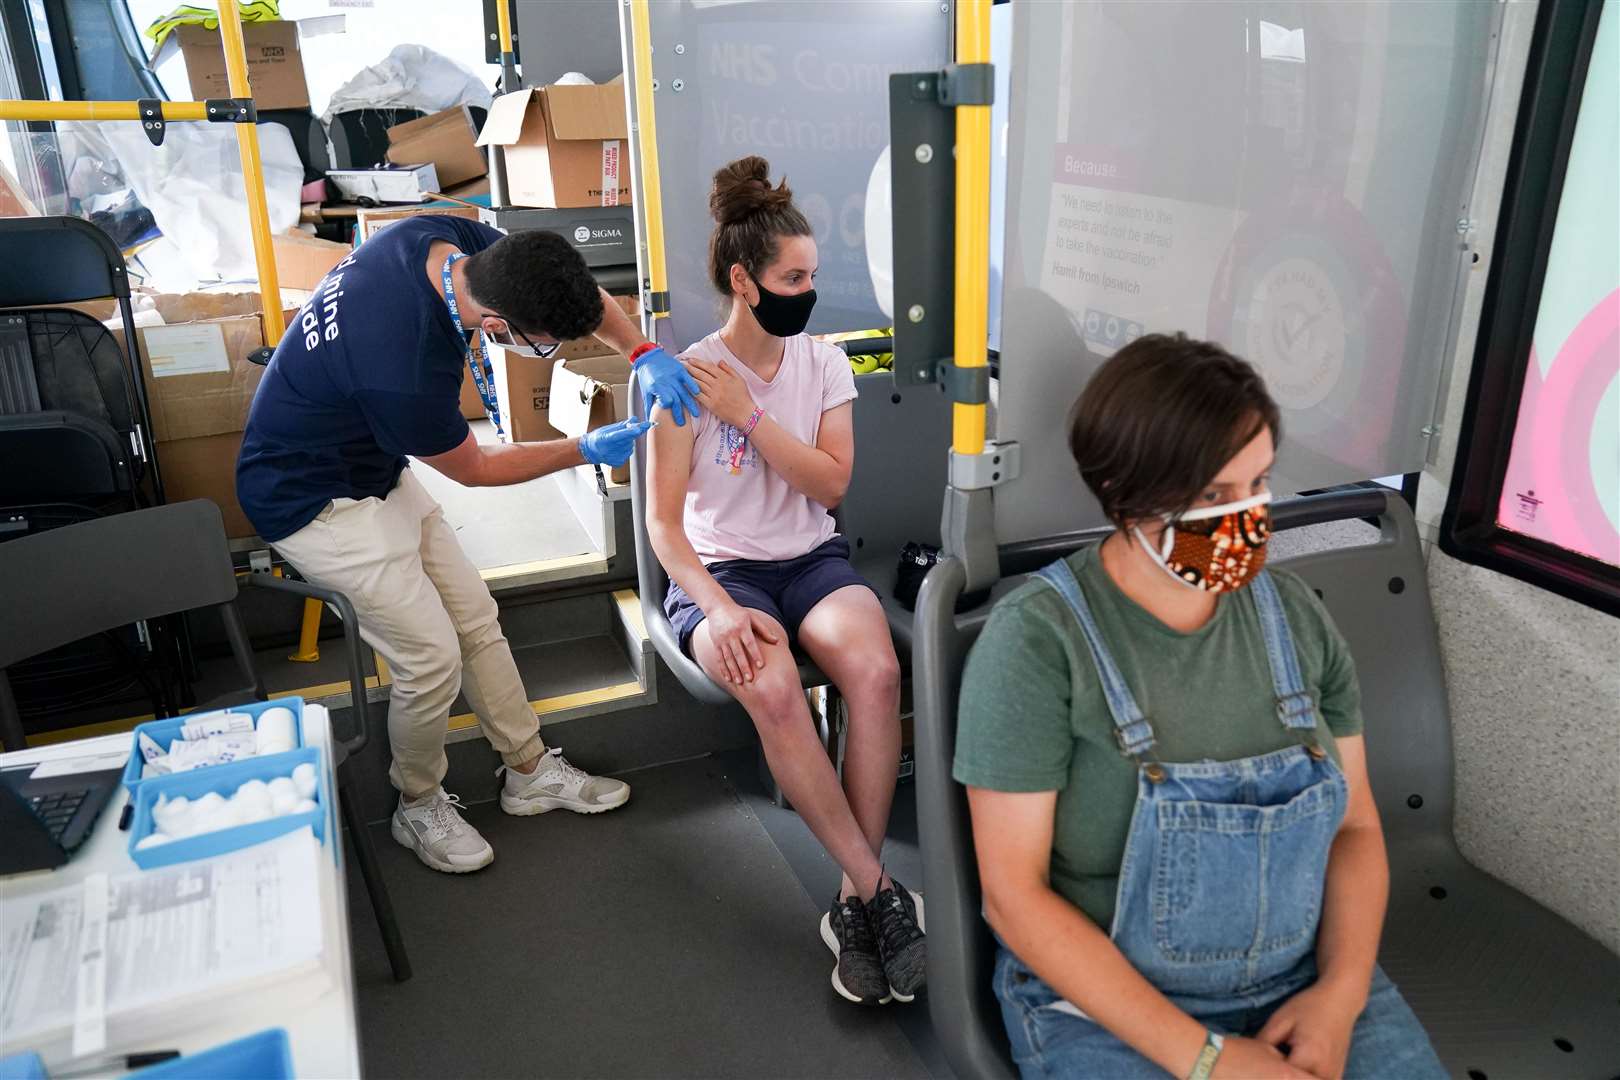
225 779
264 1056
24 1066
164 732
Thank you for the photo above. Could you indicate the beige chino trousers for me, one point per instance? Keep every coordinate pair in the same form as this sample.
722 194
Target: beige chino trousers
423 606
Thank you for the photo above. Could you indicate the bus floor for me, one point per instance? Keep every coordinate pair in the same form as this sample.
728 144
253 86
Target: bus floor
678 936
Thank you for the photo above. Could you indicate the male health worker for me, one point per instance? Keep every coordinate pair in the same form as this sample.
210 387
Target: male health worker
369 375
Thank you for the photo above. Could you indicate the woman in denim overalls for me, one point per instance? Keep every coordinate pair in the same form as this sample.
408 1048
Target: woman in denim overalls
1251 891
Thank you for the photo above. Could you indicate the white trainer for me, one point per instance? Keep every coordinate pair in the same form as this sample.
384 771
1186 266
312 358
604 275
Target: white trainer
556 784
433 828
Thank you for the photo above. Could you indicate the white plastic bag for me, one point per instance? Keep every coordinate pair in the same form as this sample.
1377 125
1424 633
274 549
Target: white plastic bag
193 186
410 77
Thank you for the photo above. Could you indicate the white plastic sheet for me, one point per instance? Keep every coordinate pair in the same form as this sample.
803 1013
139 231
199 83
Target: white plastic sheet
410 77
193 186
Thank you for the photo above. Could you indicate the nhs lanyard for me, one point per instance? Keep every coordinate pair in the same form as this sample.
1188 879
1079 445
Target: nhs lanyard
475 354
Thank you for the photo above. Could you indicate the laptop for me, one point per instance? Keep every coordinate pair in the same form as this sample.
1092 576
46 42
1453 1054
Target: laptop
44 820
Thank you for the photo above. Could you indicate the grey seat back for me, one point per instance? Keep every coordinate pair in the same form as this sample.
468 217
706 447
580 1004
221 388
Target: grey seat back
894 496
82 579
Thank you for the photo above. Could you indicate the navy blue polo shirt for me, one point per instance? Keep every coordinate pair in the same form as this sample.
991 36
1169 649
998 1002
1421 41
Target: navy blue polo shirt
369 372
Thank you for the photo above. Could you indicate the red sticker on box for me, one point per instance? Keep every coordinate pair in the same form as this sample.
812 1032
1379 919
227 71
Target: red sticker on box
610 172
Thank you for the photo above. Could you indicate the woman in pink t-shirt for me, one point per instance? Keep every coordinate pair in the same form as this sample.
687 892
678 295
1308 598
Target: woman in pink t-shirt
738 514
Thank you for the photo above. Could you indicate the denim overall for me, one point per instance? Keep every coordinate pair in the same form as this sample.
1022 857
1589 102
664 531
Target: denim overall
1220 888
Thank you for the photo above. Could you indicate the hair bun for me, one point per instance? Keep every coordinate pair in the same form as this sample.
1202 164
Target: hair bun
743 188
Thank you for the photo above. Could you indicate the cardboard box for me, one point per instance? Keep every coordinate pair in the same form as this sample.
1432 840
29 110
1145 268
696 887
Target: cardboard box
400 184
446 139
564 145
199 380
200 385
303 260
205 468
523 392
370 222
590 393
274 60
468 191
523 383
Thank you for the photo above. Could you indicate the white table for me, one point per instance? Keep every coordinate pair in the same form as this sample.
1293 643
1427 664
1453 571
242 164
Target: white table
316 1008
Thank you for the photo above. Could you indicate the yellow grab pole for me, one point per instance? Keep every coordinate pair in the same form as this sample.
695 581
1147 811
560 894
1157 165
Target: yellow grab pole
503 29
309 633
309 629
647 132
972 223
247 144
95 110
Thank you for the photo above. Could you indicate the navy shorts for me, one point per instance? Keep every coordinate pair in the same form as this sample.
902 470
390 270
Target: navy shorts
785 590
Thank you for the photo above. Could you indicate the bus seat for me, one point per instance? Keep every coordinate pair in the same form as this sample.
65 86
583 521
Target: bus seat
1505 987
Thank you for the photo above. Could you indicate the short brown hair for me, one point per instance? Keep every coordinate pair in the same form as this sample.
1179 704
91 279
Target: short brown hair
1160 419
750 216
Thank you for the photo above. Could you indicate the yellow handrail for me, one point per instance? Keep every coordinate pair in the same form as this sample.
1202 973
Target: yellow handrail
503 29
652 209
95 110
247 145
972 223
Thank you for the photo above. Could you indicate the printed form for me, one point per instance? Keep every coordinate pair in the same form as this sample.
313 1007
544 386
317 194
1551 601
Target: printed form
171 933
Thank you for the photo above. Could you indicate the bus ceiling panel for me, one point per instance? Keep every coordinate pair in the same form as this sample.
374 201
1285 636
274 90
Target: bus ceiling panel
805 86
1289 185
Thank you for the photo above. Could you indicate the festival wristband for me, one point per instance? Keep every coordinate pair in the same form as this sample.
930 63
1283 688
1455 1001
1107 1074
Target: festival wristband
1204 1065
742 440
641 350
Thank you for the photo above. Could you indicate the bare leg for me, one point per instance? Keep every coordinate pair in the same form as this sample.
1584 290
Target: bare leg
847 635
775 702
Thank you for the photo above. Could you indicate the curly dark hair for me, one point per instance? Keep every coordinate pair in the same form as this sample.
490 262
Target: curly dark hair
1160 419
750 217
536 280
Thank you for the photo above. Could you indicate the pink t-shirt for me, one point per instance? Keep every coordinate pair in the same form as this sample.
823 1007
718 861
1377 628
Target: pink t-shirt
756 514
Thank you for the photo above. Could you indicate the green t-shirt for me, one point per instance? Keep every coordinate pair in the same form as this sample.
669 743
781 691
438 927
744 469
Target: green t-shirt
1033 717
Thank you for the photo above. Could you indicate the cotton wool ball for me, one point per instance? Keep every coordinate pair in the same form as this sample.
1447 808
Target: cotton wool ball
303 778
283 796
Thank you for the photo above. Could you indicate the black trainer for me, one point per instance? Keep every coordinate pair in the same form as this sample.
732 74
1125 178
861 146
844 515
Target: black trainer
898 914
858 976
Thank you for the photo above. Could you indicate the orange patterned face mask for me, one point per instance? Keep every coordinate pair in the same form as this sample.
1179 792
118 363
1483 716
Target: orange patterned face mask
1218 549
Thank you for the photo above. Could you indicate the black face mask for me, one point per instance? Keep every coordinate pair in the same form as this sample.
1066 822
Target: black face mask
783 316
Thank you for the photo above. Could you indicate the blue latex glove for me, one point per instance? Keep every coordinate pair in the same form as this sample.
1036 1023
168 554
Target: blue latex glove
665 381
612 445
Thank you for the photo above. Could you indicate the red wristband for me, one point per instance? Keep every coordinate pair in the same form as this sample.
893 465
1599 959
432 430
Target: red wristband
641 350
